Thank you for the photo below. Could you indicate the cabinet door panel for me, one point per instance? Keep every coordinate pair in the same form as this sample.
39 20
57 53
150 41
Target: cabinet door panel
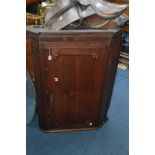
60 83
75 80
90 82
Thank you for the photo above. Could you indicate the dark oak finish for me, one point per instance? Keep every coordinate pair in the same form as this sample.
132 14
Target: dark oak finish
74 88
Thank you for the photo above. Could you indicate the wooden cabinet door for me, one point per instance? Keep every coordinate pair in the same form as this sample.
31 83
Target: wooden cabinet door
75 82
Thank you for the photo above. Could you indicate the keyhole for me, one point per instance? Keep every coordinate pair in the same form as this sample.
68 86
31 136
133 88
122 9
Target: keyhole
49 54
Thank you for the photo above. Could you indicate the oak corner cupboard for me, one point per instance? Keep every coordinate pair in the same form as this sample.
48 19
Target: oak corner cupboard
74 72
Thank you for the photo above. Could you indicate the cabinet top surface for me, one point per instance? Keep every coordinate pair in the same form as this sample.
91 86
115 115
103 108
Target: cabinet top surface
84 31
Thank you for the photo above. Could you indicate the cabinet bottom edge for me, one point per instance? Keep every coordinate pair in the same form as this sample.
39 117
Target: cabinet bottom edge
69 129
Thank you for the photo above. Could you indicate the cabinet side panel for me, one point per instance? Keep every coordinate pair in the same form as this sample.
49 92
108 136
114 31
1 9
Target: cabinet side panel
114 50
37 58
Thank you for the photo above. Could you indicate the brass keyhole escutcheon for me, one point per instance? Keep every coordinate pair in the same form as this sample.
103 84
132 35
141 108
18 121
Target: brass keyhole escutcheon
51 57
94 56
